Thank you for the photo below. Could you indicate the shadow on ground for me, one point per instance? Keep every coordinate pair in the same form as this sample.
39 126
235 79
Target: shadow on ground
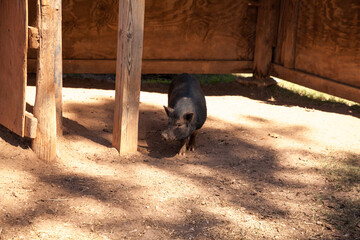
232 187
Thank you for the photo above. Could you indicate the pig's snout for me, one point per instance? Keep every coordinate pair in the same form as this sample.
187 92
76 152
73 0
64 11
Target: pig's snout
167 136
164 136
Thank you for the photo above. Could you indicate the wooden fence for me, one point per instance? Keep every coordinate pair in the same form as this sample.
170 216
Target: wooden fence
315 43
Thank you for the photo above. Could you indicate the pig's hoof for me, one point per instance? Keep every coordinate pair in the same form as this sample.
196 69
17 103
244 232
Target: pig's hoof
192 148
182 153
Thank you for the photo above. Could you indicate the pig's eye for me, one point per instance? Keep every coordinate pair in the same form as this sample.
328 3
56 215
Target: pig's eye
179 125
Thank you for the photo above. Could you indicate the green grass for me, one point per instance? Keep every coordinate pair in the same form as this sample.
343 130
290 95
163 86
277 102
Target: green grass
312 94
203 78
282 89
157 80
215 78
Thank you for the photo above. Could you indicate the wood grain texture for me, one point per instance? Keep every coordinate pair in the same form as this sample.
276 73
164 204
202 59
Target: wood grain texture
286 41
318 83
195 67
90 29
58 68
128 75
155 66
44 145
199 30
13 58
328 39
266 32
174 30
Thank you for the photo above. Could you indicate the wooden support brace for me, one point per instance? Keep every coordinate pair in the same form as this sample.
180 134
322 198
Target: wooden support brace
266 32
30 125
128 75
44 145
34 37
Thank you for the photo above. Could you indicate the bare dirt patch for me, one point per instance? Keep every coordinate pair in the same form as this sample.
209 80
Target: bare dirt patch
265 168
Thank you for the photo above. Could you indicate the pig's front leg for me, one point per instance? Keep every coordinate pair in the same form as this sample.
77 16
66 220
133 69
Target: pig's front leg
192 142
183 147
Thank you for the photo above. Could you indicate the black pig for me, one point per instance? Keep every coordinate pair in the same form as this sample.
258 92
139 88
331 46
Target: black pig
186 111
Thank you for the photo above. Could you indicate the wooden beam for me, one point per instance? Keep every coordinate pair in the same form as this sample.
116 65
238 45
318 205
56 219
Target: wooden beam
318 83
196 67
266 32
58 72
150 66
44 145
285 49
128 75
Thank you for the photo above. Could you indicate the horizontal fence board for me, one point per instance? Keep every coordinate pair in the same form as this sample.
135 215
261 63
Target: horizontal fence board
200 67
327 41
174 29
191 29
218 37
154 66
318 83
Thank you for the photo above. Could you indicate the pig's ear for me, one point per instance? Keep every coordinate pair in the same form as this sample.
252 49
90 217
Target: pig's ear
168 110
189 116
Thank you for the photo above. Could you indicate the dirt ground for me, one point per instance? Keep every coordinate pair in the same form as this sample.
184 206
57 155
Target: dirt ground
265 168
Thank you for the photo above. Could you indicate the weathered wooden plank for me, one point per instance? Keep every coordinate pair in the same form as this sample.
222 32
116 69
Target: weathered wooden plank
90 29
266 32
199 30
58 72
155 66
327 42
82 66
128 75
44 145
195 67
174 29
318 83
13 59
286 44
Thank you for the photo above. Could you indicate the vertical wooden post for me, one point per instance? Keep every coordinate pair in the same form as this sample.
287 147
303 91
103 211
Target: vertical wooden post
266 32
44 145
285 50
128 75
13 64
58 67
